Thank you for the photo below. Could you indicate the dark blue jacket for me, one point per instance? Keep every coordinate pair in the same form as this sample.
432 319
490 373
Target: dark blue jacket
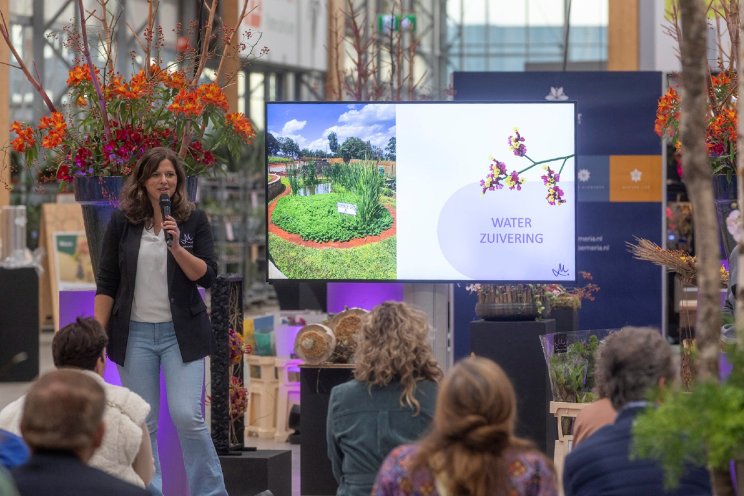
600 466
118 269
63 474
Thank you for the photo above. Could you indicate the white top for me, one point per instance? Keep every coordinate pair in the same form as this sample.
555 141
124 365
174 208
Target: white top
123 417
150 302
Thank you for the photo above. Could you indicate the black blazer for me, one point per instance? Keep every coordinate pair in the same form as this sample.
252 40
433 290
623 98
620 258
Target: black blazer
63 474
117 272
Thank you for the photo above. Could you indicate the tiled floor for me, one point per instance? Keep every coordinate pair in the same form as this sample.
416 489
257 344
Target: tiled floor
9 391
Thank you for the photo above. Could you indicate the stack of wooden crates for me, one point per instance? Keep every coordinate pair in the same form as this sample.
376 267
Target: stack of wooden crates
273 387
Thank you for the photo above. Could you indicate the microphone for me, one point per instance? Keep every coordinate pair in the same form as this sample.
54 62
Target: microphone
165 208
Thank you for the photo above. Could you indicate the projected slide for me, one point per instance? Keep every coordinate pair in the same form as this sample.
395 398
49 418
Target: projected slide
444 191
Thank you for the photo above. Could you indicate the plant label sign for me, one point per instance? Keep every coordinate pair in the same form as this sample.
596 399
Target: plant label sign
346 208
560 345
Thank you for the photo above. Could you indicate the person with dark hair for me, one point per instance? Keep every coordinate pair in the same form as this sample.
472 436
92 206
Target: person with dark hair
147 298
630 363
62 423
389 402
125 450
471 449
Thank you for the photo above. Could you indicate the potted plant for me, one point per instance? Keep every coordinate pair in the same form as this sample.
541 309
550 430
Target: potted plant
570 360
510 301
565 302
96 138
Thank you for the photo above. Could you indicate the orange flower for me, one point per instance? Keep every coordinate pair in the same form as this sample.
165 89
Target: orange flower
81 101
211 94
78 74
174 80
186 102
241 125
57 127
136 88
25 139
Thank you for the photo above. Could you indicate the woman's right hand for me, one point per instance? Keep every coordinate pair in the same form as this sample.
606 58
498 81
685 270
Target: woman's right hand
102 306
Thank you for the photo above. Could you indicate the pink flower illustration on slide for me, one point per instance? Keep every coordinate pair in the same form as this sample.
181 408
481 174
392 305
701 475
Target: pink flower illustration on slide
498 177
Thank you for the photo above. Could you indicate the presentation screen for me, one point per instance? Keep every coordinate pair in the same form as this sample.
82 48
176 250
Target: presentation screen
421 191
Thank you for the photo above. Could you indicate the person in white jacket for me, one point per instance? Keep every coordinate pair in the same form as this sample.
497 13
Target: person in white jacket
125 451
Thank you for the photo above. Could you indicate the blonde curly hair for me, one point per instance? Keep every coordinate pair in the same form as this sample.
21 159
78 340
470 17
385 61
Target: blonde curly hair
394 345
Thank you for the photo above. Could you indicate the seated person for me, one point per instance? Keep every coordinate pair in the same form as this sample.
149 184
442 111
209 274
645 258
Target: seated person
125 451
13 450
471 449
7 487
629 364
389 402
591 418
62 423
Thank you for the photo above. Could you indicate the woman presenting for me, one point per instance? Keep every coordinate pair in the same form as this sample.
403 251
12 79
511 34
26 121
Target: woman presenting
147 299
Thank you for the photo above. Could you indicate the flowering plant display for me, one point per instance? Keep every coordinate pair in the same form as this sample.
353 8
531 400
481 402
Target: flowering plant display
107 119
561 296
510 294
498 177
721 117
721 121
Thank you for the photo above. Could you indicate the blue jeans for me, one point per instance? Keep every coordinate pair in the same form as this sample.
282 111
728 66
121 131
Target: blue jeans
150 348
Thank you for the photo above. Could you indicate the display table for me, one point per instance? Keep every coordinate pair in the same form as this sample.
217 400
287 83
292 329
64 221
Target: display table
19 321
316 382
251 472
515 346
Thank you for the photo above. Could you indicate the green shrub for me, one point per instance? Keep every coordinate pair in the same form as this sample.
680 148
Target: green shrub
294 178
368 188
316 218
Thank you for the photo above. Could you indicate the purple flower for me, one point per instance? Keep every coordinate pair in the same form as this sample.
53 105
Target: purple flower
516 143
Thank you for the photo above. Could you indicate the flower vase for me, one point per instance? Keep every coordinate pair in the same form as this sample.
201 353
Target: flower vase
99 197
725 196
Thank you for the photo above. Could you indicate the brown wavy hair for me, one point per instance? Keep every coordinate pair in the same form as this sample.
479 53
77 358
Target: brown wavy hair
394 345
134 201
473 424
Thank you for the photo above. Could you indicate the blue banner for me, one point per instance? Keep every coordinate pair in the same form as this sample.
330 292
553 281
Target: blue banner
619 174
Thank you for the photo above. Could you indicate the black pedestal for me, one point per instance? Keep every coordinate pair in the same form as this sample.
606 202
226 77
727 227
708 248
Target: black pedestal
515 346
19 325
316 475
250 472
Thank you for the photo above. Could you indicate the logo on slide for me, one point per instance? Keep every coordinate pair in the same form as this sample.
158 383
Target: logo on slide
584 175
556 94
635 175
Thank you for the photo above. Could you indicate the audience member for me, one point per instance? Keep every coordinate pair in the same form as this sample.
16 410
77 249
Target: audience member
591 418
62 423
630 363
472 450
389 402
13 450
125 451
7 488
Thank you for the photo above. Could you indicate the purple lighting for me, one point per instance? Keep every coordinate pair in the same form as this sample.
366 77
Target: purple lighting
73 304
365 295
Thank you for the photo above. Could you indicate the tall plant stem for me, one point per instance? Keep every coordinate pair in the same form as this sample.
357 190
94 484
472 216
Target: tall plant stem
739 311
92 69
31 79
